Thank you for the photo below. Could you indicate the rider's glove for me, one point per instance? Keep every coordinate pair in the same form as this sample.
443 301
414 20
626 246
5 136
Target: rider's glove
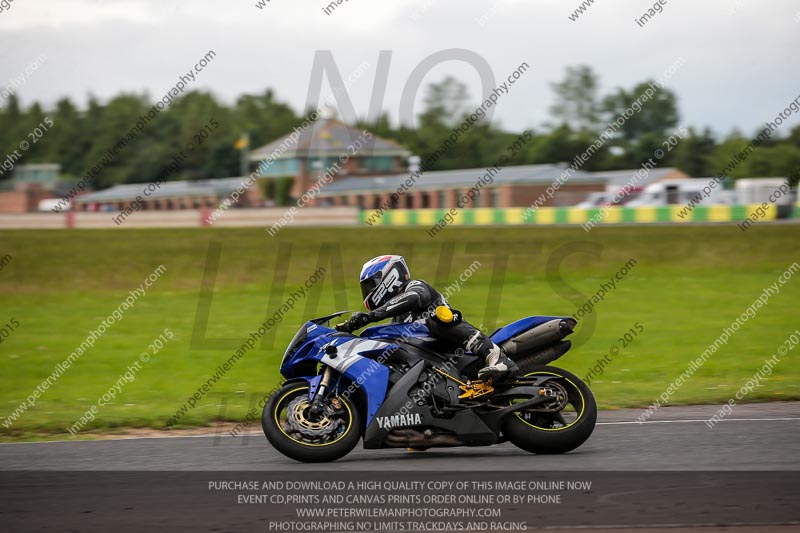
359 320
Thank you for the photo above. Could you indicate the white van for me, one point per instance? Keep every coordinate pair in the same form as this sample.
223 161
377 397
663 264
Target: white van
51 203
682 191
771 190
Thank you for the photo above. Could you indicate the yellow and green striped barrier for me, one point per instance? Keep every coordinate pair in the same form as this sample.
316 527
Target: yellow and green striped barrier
485 216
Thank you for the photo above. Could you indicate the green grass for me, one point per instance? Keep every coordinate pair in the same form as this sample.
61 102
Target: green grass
688 284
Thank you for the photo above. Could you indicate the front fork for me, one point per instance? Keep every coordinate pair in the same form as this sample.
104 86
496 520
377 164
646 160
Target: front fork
317 408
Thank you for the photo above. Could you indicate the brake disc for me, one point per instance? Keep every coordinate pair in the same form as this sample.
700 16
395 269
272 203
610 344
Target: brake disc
297 419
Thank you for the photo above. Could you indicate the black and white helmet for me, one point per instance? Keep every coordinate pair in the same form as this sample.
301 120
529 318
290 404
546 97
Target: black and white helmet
382 278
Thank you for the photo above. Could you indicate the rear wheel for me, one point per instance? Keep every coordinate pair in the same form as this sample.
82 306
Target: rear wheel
568 425
294 432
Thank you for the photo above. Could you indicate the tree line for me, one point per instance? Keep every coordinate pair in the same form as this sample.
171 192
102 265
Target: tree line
80 137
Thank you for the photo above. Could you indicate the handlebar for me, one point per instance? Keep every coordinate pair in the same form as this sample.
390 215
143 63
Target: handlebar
343 326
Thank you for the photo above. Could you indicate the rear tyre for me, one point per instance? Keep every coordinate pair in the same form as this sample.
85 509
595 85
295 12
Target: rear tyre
289 428
559 432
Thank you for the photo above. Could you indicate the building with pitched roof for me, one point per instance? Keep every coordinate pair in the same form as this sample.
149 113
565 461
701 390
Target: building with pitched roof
314 149
514 186
363 170
29 185
169 195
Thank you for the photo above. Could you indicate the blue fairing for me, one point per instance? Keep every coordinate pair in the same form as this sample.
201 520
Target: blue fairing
316 336
356 361
416 330
371 376
515 328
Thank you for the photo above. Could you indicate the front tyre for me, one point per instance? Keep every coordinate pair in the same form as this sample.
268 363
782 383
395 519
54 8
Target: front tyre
560 431
292 431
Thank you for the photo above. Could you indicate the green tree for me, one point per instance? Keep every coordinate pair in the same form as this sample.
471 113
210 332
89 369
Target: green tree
263 118
64 140
779 161
445 104
725 154
576 98
658 115
694 153
445 107
643 151
561 145
118 117
794 136
12 124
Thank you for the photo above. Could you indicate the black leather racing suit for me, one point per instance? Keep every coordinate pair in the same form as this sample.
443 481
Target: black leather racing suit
417 301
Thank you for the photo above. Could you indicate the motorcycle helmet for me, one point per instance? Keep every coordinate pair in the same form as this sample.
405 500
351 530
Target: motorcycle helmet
381 279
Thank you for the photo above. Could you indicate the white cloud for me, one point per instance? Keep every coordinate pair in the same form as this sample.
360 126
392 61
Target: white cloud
739 63
27 14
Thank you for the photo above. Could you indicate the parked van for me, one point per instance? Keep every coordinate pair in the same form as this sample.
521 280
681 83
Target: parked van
607 198
767 190
682 191
52 203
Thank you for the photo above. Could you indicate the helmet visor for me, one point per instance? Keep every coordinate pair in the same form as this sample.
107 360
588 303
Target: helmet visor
369 284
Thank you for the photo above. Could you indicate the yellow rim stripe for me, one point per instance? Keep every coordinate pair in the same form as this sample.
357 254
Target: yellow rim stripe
580 415
280 427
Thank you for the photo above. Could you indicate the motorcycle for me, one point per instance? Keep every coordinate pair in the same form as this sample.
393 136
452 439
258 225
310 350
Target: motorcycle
398 387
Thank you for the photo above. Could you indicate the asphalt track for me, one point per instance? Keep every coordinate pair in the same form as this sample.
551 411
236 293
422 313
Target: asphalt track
671 472
755 437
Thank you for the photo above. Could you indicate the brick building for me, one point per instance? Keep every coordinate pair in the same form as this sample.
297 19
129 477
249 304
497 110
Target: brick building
29 185
369 178
171 195
307 153
515 186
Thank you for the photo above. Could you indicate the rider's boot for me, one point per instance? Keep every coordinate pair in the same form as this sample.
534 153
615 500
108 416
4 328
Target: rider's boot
498 365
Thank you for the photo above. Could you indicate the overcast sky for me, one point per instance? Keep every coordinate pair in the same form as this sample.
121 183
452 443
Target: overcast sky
741 56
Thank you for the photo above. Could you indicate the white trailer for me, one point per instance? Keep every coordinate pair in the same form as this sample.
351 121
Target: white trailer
759 190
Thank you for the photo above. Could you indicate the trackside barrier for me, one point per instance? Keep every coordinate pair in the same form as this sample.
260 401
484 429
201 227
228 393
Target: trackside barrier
485 216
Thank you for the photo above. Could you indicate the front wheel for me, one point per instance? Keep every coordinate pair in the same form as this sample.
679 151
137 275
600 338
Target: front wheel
294 432
569 423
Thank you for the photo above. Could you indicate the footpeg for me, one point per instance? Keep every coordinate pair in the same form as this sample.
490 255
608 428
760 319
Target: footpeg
475 389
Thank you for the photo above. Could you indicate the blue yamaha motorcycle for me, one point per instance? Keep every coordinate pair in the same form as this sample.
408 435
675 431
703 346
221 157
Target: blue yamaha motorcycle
396 386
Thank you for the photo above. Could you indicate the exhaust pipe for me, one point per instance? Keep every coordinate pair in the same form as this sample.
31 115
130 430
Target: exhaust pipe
538 337
546 355
405 438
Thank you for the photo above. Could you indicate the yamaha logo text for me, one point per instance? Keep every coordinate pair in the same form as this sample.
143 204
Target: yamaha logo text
389 422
